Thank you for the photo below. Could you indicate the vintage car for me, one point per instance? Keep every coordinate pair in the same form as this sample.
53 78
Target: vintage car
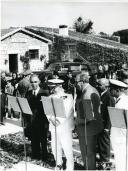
63 67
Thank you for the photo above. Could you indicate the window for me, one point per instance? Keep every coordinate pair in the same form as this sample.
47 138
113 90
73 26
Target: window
34 54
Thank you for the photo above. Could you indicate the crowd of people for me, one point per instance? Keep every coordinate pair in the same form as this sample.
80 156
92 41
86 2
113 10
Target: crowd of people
95 136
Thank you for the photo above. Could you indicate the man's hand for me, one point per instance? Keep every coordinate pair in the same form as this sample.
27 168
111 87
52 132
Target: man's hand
54 122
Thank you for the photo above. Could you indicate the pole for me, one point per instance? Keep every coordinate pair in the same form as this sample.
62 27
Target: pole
56 141
126 140
86 144
55 133
25 154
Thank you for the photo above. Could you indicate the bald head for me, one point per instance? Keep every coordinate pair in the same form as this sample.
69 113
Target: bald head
85 77
104 82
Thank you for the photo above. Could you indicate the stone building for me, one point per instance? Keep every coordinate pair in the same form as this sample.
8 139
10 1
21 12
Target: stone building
41 44
20 46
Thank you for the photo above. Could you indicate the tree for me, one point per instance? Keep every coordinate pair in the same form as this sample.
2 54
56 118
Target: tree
83 27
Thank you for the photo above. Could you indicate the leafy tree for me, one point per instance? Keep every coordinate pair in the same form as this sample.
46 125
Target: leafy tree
83 27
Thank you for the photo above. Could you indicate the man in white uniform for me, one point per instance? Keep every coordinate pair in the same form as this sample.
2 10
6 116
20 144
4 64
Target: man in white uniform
118 135
64 128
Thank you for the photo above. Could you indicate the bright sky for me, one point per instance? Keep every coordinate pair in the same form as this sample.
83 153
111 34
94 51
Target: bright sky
107 16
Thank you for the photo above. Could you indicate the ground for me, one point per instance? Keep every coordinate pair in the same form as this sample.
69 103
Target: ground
12 156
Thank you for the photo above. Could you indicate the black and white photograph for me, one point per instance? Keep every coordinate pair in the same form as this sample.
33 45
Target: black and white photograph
64 85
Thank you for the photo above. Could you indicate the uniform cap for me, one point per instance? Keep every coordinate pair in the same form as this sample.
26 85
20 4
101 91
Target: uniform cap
27 72
56 81
125 81
118 83
125 67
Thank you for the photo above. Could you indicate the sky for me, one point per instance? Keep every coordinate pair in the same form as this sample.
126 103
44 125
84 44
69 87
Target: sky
107 16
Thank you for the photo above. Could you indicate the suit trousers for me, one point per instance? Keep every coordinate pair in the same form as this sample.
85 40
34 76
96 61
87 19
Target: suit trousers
88 152
104 146
118 139
64 142
39 142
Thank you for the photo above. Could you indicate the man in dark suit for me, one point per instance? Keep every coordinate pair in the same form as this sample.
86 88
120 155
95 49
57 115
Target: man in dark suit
104 136
24 85
3 81
88 138
39 122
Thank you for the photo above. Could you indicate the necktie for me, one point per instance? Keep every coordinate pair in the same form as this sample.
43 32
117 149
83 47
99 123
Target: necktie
117 100
34 93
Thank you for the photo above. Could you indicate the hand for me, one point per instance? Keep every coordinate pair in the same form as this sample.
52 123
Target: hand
106 130
57 123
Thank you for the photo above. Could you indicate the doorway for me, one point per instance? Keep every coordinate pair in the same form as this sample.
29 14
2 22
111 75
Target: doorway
13 62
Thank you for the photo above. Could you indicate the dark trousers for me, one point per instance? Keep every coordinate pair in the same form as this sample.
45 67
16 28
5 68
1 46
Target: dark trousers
104 146
88 152
39 142
2 114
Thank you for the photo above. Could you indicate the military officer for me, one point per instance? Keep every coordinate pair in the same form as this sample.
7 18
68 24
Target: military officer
64 127
118 135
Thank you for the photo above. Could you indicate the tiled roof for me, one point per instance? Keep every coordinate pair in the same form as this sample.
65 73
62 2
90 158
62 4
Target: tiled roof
89 38
6 31
11 32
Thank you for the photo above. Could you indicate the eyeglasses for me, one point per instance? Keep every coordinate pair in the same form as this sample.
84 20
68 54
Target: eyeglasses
34 81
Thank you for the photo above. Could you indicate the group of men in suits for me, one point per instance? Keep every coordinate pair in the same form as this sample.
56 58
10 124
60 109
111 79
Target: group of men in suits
99 132
92 134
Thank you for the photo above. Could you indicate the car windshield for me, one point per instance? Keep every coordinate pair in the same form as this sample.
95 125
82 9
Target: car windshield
67 66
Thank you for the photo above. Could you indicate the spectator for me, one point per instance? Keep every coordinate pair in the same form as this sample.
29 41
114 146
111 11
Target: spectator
104 136
9 89
14 79
24 85
3 81
69 83
2 107
106 68
44 82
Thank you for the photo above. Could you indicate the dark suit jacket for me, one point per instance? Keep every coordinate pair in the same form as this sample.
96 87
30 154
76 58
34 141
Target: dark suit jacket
39 119
94 126
106 100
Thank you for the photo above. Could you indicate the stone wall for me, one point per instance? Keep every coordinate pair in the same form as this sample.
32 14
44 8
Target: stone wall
20 43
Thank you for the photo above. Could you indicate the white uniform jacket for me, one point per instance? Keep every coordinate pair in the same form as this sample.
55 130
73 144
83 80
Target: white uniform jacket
67 122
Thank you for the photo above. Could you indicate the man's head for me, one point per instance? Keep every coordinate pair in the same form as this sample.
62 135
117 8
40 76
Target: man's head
125 80
103 84
82 80
117 87
69 74
14 75
27 74
57 84
8 83
3 75
34 80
